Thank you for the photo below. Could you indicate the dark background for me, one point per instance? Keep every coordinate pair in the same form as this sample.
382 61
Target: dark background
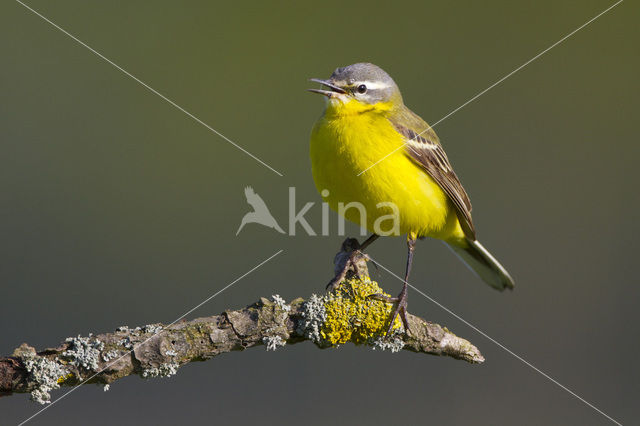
116 208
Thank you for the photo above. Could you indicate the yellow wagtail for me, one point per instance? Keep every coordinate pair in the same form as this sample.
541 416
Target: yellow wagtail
364 121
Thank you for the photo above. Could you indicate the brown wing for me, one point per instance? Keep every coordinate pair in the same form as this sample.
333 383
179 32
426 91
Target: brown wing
423 147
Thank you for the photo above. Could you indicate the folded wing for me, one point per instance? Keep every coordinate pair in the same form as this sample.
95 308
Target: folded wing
423 147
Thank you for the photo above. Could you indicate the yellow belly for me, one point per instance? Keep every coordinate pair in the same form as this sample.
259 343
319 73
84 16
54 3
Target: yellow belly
344 146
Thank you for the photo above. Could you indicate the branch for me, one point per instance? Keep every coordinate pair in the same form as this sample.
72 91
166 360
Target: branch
346 314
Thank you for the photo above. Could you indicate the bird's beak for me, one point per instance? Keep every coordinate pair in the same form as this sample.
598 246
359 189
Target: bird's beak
328 93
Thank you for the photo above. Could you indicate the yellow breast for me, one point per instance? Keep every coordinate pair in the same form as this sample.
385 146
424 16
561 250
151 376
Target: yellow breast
346 142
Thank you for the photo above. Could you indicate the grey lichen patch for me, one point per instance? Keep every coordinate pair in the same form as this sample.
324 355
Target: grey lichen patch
273 342
314 315
84 352
132 331
393 344
126 342
152 328
46 374
281 303
109 355
164 370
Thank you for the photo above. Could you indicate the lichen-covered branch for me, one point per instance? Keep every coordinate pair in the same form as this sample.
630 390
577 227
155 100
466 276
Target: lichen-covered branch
347 314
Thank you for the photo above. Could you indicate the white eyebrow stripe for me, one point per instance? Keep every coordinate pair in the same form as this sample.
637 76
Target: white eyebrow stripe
374 85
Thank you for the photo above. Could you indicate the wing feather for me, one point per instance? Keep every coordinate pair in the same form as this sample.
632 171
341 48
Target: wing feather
424 149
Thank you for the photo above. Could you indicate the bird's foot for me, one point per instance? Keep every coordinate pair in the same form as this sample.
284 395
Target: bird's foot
400 303
350 261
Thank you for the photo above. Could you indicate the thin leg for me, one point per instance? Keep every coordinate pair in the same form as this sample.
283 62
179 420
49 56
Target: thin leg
401 300
356 250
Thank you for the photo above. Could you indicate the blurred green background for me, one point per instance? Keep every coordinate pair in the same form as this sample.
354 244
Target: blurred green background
116 208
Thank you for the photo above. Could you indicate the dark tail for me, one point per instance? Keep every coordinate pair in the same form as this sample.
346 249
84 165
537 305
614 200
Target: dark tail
483 264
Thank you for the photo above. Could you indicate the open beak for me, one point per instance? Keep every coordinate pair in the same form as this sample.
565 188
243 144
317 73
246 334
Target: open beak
328 93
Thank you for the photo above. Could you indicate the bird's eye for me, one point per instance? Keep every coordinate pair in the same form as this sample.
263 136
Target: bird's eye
362 89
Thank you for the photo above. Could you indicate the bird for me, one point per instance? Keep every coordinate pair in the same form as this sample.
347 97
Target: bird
367 147
260 213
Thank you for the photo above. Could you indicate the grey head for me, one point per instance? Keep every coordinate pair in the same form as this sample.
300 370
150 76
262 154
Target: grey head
363 81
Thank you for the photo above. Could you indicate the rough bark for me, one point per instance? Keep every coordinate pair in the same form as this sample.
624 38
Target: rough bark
157 350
